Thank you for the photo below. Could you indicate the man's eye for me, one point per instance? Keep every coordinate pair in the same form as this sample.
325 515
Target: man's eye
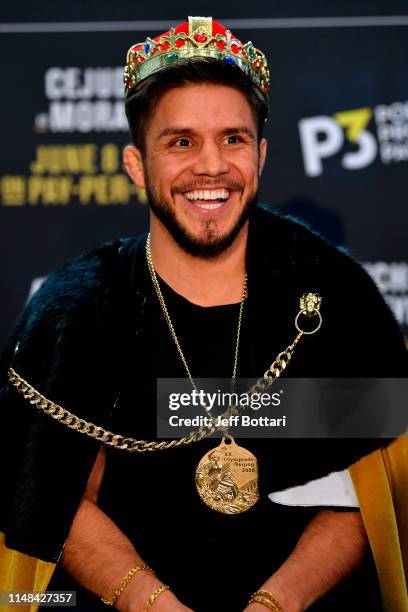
232 139
182 142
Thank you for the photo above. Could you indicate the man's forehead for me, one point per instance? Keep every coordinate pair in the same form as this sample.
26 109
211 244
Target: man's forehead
198 107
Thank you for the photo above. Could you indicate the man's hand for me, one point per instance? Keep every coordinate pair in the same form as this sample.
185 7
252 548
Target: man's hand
330 548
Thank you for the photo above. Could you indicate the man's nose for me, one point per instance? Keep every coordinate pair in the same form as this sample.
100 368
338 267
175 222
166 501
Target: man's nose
210 160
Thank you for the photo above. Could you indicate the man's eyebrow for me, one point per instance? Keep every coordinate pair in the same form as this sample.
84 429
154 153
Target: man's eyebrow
174 131
178 131
241 129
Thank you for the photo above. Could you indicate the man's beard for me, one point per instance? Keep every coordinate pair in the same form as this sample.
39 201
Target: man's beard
209 245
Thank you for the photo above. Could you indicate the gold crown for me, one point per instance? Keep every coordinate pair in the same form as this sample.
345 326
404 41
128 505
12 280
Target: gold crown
200 37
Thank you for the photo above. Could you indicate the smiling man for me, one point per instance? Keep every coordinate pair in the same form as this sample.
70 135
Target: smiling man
201 177
212 291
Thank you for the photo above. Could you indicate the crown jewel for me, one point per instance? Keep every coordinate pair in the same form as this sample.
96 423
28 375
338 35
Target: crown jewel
200 37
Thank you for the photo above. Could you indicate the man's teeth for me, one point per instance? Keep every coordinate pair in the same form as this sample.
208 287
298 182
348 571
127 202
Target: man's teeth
207 194
209 206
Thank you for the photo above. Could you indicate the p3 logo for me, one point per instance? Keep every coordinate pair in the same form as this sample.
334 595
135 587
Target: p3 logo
322 137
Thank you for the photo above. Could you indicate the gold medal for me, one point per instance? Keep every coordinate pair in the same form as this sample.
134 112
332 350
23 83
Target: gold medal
227 478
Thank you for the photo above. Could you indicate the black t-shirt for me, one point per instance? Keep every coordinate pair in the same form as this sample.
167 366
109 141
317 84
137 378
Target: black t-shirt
210 560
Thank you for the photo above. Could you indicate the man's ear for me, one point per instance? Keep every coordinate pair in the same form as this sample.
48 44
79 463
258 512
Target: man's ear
263 146
133 162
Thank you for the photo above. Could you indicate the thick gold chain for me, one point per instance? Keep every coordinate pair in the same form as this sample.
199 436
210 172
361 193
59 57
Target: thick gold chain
170 325
132 445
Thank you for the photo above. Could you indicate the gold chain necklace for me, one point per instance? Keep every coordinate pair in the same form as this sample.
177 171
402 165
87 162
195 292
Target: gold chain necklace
226 477
170 325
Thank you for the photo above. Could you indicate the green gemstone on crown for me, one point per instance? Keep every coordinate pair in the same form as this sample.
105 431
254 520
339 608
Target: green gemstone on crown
171 57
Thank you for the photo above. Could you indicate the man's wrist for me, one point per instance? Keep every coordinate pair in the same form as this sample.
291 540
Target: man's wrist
124 582
289 598
138 591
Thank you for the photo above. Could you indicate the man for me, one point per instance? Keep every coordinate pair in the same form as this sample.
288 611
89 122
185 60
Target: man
214 289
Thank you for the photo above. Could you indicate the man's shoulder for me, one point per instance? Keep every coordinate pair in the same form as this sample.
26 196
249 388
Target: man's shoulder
81 277
87 275
287 252
275 235
289 259
92 282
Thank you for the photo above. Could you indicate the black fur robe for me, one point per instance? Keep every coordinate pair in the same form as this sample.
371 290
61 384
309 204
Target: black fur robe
78 331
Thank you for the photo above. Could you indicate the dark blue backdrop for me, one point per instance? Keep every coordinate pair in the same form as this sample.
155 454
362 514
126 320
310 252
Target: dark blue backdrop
338 132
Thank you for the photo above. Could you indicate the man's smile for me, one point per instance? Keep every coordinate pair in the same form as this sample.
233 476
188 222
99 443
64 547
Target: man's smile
207 194
208 199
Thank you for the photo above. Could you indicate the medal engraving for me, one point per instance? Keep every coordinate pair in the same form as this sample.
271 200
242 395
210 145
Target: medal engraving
227 478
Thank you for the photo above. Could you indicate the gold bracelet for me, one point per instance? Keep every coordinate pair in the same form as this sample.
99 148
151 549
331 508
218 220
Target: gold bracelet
154 596
123 584
266 598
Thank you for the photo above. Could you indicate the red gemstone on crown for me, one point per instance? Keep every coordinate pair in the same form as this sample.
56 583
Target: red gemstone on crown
180 43
235 49
200 38
165 45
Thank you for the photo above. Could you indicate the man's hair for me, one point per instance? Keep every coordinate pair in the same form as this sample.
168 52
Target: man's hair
140 105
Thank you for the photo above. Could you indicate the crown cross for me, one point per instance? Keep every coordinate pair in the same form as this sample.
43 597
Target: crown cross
171 38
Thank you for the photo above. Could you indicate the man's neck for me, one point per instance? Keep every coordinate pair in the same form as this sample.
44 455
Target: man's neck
206 282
